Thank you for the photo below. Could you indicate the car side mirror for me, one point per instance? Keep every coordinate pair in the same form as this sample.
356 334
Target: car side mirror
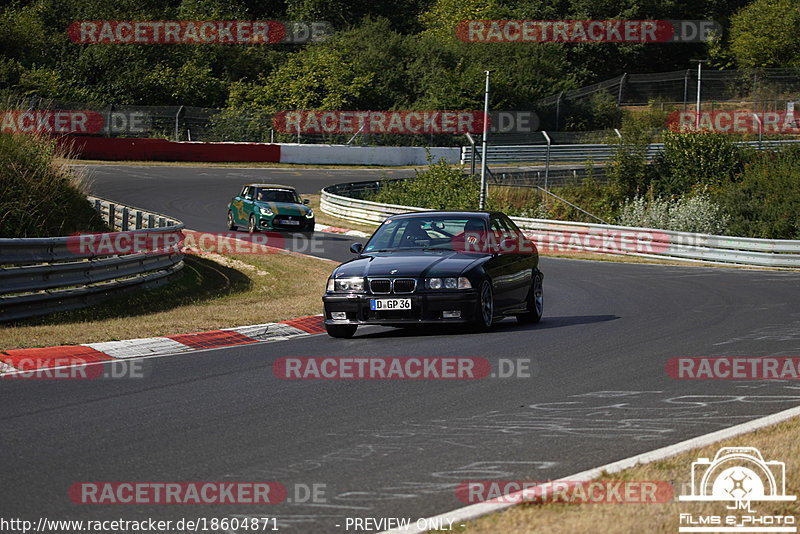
355 248
306 201
248 197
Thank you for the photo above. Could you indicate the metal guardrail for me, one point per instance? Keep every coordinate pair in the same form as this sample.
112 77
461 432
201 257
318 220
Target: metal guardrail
49 274
598 153
564 237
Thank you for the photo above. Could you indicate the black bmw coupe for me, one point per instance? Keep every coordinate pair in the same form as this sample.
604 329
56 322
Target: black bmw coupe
437 267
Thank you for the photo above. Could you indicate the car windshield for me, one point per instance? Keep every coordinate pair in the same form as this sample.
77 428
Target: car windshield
277 195
431 232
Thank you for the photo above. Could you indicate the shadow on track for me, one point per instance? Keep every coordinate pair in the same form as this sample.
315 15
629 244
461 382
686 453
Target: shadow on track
503 326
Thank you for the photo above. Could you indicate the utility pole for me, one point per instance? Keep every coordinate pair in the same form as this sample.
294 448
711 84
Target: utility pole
482 202
699 78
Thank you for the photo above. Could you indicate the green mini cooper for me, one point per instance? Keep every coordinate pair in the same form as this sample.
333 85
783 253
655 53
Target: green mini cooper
269 207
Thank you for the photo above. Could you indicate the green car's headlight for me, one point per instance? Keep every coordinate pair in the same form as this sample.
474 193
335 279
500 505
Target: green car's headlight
345 284
310 214
265 211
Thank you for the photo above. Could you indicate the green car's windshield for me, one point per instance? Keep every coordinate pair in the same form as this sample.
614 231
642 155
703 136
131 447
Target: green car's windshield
436 232
277 195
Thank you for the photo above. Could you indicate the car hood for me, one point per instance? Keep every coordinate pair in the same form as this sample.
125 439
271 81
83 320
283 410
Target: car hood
412 264
284 208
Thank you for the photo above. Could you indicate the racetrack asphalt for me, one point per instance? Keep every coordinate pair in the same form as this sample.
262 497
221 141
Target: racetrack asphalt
598 392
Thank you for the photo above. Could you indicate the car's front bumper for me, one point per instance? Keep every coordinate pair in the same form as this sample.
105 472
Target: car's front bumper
425 308
273 223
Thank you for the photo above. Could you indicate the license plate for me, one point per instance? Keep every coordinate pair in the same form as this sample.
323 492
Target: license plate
389 304
290 222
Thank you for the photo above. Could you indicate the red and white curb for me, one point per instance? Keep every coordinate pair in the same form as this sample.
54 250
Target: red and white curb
14 360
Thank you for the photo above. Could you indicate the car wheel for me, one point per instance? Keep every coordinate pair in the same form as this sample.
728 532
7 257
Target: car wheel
252 226
484 314
345 331
535 302
231 225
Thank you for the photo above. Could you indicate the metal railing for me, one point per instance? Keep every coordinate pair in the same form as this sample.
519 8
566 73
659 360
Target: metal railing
564 237
49 274
598 153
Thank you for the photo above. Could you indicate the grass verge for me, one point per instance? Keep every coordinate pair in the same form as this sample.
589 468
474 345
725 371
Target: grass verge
777 442
221 293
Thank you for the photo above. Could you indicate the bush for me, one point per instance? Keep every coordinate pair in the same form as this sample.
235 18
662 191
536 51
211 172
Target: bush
766 201
439 187
629 170
690 159
698 214
40 196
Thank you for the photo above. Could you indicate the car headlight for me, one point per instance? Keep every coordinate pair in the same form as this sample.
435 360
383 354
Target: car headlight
265 211
310 214
462 282
336 285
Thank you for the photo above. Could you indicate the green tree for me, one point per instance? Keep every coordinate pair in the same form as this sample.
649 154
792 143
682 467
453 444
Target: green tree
764 34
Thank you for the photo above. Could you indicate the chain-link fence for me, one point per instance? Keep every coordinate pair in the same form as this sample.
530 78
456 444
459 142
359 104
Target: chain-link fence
581 116
757 90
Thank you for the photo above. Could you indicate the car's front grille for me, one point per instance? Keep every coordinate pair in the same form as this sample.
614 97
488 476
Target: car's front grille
278 220
404 285
380 285
385 286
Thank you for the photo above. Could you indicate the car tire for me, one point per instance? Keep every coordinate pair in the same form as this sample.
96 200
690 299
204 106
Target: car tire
232 227
344 331
535 302
484 311
252 226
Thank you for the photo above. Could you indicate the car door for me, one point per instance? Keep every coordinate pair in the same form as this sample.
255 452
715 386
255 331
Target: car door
524 261
237 207
502 267
248 194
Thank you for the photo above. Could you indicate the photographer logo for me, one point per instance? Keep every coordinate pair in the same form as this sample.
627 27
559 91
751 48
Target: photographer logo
738 477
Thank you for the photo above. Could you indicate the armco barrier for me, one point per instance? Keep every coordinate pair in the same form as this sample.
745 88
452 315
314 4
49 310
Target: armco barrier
598 153
43 275
120 149
562 237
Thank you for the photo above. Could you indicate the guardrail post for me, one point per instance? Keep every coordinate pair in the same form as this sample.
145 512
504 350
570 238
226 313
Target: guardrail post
138 220
177 115
125 216
547 159
162 222
98 206
151 220
112 216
